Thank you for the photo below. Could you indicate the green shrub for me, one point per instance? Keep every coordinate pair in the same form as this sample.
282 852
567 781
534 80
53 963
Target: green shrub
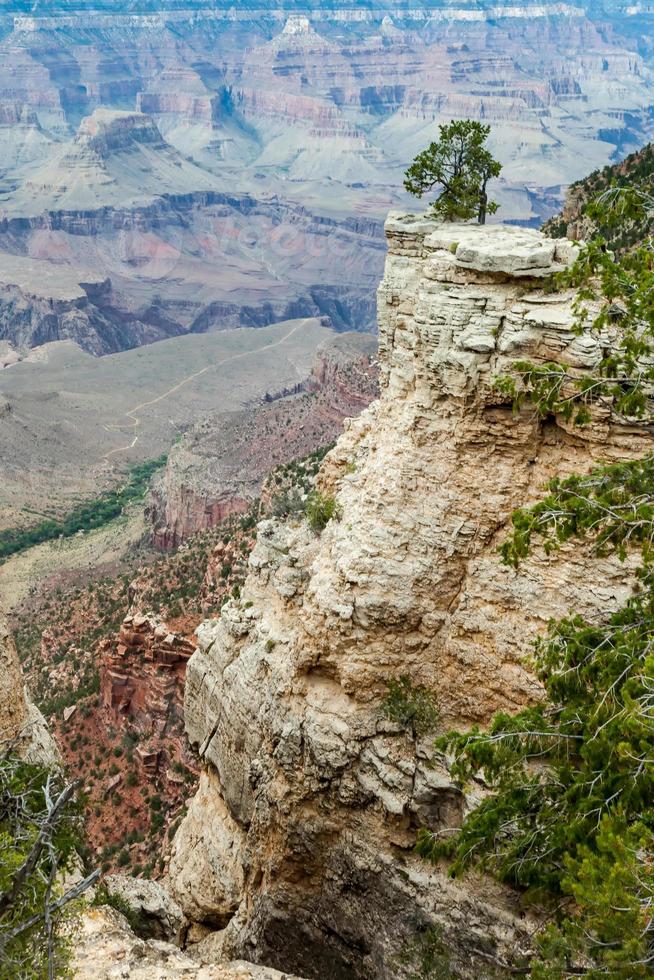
425 956
105 897
410 706
320 510
288 502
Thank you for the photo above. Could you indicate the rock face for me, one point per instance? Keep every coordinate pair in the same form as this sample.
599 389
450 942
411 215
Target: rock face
298 845
220 464
42 301
21 722
116 159
105 948
143 675
158 915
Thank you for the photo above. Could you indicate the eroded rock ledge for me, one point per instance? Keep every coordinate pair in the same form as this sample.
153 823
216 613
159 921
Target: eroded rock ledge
297 850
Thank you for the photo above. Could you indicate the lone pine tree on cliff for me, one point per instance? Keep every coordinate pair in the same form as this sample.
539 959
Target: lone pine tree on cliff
461 166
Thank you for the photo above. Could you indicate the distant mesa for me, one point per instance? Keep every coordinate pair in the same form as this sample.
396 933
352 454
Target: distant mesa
388 28
297 24
117 158
299 32
107 130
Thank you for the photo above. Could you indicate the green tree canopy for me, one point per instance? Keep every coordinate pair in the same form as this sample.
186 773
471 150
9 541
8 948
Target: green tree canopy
461 166
40 838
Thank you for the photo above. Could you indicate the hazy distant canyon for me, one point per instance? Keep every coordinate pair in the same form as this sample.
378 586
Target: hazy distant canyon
168 168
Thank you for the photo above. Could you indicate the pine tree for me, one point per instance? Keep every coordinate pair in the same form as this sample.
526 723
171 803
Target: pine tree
461 166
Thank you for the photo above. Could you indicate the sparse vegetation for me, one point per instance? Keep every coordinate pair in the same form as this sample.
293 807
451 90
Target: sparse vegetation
411 706
320 510
103 896
40 837
79 619
288 502
569 820
85 517
425 956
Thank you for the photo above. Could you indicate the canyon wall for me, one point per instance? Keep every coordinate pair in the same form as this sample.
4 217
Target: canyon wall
220 464
21 722
298 849
147 149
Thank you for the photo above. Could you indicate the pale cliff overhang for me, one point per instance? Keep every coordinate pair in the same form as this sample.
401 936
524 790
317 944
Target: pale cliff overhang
501 249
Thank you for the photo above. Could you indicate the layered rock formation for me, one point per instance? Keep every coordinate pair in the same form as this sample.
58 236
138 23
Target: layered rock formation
114 242
219 466
298 846
142 674
116 159
43 301
282 140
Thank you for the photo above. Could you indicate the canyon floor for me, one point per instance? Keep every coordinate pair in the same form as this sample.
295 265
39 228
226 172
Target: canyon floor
72 423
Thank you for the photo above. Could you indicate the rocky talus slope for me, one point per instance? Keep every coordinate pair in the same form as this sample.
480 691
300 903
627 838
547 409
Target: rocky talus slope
297 849
634 173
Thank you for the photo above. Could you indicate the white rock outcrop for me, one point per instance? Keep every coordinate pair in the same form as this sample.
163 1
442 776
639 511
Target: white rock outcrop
105 948
159 916
298 847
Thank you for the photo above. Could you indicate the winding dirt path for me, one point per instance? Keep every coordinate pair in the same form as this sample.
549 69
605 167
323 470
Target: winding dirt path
135 421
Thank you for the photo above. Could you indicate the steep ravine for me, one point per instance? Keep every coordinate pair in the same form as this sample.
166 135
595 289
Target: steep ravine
298 849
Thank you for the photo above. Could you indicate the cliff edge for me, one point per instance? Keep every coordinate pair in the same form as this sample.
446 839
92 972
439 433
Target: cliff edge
298 849
21 723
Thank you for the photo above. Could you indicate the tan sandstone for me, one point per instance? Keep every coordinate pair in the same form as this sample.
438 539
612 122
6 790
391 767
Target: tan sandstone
298 847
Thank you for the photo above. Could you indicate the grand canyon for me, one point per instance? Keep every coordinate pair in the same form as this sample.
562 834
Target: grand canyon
258 454
188 168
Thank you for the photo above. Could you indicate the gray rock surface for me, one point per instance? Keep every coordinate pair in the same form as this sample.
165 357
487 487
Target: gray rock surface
159 915
21 722
106 949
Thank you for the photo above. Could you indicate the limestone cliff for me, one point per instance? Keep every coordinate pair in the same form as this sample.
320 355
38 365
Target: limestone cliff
297 850
21 722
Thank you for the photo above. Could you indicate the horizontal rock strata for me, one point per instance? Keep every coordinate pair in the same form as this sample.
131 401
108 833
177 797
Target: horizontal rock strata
298 845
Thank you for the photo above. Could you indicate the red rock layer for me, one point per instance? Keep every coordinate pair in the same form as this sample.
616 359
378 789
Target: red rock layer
219 467
142 675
